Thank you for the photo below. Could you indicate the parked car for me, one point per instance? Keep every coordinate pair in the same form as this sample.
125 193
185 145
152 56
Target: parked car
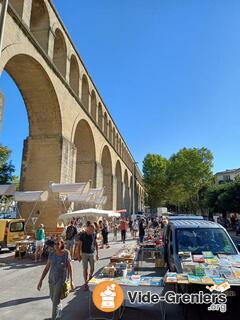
11 230
185 217
195 236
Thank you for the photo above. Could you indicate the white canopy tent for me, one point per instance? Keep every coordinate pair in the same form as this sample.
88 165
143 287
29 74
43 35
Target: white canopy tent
61 191
94 198
31 196
76 197
113 214
101 201
88 212
7 189
96 192
66 188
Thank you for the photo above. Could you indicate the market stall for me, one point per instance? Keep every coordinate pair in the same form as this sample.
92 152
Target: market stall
122 269
61 192
87 213
34 198
207 269
24 248
93 198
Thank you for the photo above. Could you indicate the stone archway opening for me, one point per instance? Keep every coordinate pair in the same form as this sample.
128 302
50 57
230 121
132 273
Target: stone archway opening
126 195
118 174
45 128
40 24
74 75
100 116
86 154
85 92
60 52
106 163
93 106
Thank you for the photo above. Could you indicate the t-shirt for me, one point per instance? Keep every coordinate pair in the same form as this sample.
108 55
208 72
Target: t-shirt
58 269
71 232
88 242
40 235
135 225
105 227
123 225
141 228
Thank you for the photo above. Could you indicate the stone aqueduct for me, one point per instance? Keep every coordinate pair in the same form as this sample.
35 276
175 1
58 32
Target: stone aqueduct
72 136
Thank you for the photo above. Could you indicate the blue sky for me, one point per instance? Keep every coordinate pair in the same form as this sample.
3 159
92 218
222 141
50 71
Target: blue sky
168 70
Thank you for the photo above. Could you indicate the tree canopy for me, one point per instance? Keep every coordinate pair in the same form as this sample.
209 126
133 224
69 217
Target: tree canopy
154 170
7 169
180 180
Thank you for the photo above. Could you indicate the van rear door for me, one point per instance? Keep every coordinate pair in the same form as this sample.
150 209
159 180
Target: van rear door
2 230
15 232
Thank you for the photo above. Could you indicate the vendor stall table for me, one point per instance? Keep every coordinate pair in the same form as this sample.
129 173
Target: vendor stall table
126 288
24 246
150 249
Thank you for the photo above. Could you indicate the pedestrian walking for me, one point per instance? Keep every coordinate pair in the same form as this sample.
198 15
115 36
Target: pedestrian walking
70 238
135 228
86 247
130 224
142 227
115 231
100 229
40 241
123 228
59 264
105 232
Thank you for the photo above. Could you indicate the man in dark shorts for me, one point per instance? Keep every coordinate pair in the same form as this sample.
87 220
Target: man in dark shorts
86 246
70 238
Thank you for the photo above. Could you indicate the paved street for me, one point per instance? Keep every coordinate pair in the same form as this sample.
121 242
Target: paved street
19 297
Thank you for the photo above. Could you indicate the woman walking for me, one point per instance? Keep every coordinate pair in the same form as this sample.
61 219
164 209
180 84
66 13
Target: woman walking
59 264
135 229
40 241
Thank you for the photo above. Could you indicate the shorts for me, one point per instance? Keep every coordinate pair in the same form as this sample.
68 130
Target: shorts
69 244
88 257
40 243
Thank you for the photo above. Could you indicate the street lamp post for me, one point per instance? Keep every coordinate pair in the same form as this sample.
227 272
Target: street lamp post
2 22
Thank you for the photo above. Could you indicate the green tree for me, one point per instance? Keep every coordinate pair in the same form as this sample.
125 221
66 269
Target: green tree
189 172
154 173
224 198
7 169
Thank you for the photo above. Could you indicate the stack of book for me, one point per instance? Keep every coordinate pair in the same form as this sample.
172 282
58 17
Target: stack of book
207 268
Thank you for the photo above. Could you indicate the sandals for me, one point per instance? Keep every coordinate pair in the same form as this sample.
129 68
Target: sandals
85 288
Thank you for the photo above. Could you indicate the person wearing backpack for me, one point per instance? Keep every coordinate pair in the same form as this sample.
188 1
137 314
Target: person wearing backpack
70 238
